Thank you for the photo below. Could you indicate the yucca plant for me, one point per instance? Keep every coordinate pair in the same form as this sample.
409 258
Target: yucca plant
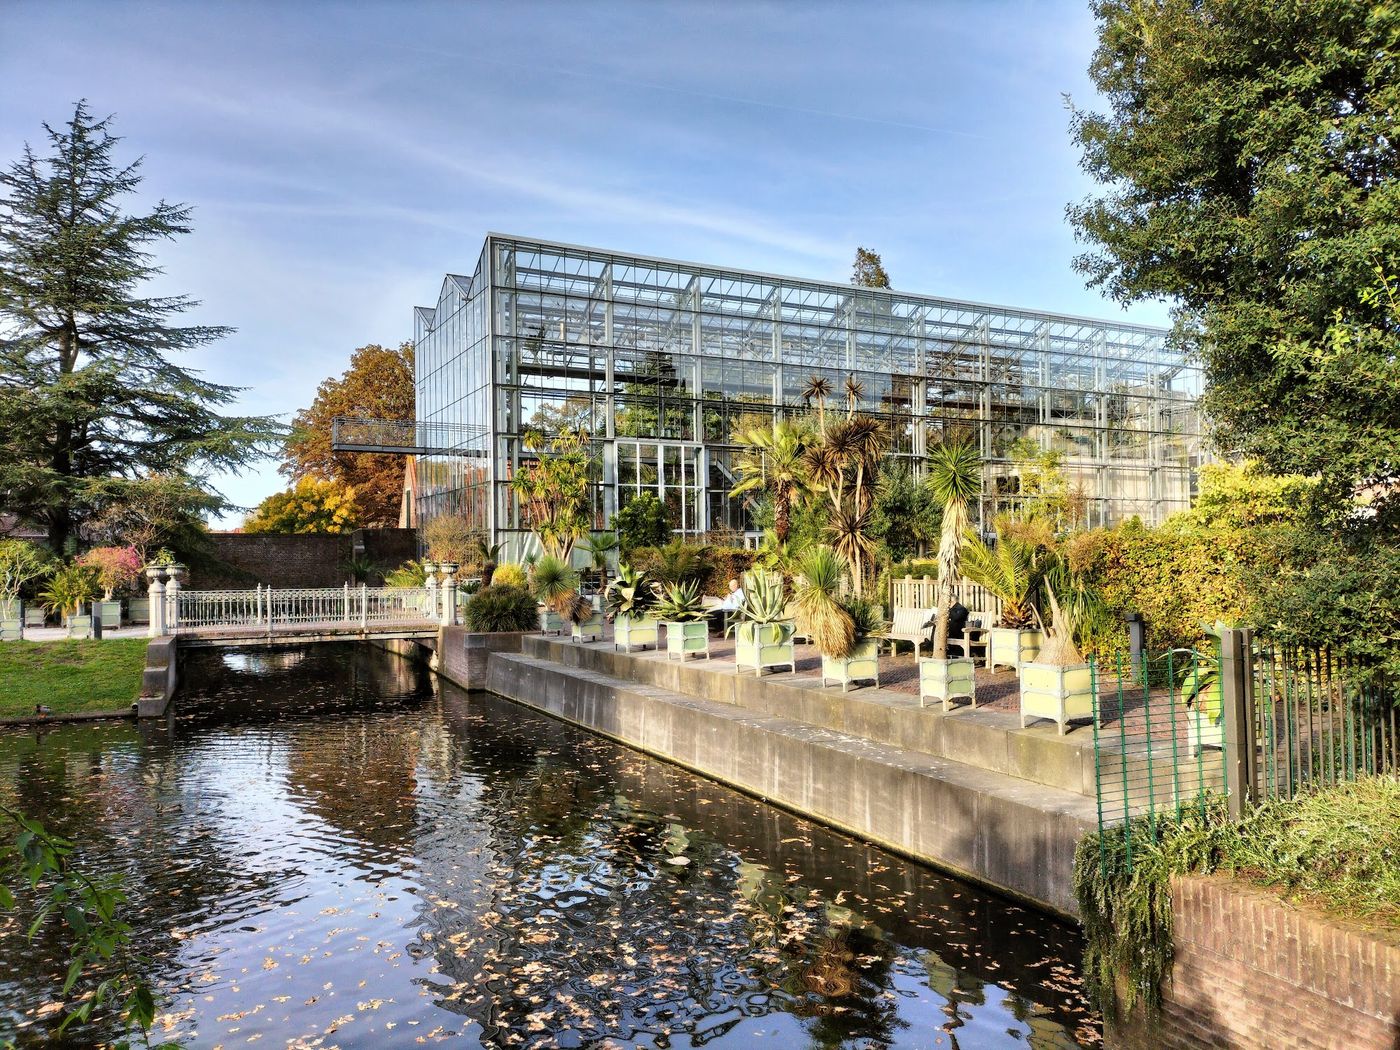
818 601
1060 648
555 584
866 620
680 603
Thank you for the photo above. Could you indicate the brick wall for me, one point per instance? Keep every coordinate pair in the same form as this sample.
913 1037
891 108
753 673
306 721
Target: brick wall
1252 971
242 560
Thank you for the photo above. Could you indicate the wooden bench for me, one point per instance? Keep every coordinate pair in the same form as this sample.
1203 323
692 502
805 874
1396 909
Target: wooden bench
908 626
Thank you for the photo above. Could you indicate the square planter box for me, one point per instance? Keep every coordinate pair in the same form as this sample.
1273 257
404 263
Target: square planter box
764 645
551 622
1202 731
138 610
861 665
687 636
79 625
947 680
1057 693
111 612
640 631
11 609
1011 647
11 630
590 630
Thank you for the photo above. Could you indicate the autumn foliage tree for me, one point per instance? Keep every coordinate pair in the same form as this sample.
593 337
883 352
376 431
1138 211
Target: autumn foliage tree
311 505
377 385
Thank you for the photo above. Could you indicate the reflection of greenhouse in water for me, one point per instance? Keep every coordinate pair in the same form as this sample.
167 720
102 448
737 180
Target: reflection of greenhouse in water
662 361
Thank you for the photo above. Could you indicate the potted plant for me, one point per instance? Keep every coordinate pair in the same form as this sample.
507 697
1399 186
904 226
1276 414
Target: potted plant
762 631
555 587
955 477
1059 683
630 605
20 564
681 609
1010 572
68 589
116 568
862 661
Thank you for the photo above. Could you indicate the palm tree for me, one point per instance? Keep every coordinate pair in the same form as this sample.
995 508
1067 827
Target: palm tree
818 389
488 555
854 391
774 461
599 546
1010 572
955 476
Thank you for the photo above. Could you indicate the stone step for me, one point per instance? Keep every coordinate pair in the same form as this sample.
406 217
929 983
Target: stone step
999 830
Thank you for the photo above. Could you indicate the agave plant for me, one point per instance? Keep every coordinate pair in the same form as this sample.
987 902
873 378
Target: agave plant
681 602
818 602
764 601
630 595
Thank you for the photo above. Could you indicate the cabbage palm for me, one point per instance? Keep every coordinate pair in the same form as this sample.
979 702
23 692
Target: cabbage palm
817 598
955 477
818 389
599 546
774 462
555 584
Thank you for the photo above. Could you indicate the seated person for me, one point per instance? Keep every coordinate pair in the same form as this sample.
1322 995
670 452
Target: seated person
719 614
957 626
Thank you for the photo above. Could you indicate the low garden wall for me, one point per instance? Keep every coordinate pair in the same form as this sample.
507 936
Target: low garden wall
1253 971
239 559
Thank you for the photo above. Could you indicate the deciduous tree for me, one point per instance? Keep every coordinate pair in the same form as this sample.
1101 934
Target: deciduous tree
869 271
377 385
1249 164
311 505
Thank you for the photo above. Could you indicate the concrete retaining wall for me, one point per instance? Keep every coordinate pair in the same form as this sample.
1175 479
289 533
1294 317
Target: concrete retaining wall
1003 832
993 740
462 654
159 680
1252 971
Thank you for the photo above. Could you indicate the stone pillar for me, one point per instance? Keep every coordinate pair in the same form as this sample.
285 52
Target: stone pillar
447 592
172 603
430 581
156 595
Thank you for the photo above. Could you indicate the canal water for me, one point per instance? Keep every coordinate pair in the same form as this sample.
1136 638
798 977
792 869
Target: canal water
328 846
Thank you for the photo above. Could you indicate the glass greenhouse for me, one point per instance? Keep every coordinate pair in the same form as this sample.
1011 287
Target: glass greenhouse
663 362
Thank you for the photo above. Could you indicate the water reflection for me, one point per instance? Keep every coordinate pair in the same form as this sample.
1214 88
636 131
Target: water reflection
327 848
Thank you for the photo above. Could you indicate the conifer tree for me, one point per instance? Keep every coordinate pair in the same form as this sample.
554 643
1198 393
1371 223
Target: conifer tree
93 405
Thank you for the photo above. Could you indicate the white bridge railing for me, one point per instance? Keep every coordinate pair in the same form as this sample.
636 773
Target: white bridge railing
273 607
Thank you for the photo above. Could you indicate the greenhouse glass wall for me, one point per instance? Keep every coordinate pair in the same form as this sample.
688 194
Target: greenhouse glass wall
663 362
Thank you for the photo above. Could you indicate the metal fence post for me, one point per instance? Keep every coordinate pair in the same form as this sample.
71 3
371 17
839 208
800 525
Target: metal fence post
1237 696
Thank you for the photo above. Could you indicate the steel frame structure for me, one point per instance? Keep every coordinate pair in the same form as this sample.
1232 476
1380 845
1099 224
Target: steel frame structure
662 360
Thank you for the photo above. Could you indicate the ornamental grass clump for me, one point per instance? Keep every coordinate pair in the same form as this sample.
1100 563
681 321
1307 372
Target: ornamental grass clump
501 607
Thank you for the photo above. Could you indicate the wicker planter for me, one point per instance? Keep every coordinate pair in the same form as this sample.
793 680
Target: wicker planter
1011 647
551 622
1060 694
861 664
760 645
947 680
591 630
684 637
639 630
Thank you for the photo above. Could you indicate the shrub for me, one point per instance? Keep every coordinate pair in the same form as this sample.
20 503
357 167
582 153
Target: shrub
509 575
116 567
725 563
451 537
501 608
642 522
409 574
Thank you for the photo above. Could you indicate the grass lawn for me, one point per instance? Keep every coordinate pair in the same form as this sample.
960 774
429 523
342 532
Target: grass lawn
78 675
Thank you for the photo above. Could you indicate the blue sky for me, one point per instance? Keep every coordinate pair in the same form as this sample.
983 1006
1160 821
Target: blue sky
342 157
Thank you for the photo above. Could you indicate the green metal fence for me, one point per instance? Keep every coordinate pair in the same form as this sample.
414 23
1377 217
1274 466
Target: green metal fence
1239 719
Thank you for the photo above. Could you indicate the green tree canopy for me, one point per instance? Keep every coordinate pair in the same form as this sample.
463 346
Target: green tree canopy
1249 166
868 271
91 399
377 385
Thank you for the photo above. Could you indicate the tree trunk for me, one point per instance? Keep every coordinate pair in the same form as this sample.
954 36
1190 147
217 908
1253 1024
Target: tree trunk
782 515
